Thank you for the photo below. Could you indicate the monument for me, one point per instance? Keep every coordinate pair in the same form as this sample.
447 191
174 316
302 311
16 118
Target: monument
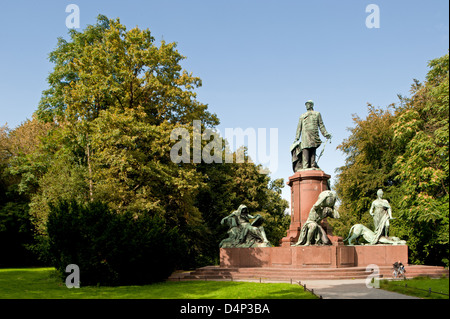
312 233
241 232
382 213
307 139
309 242
308 181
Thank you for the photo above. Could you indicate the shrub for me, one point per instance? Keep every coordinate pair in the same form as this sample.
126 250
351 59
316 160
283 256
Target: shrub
16 236
111 248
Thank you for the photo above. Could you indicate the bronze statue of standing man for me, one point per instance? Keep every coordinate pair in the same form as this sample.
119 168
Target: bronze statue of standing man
304 150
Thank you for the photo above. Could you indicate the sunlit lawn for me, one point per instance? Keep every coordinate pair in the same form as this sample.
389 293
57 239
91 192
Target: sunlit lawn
43 283
419 287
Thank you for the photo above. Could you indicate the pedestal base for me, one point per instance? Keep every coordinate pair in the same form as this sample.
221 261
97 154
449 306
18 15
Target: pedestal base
305 189
314 256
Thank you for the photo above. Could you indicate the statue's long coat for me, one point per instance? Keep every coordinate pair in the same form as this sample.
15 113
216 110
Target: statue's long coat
308 128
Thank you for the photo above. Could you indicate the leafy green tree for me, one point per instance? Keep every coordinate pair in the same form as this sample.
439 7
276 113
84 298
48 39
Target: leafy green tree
405 152
274 212
107 66
111 248
49 171
228 185
16 231
133 169
368 167
114 99
421 132
20 153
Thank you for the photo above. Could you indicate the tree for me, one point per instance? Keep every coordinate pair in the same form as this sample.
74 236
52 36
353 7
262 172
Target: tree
107 66
368 167
405 152
114 99
228 185
111 248
421 133
274 212
16 232
103 75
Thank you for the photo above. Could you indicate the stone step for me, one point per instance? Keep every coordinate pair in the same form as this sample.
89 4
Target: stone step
305 269
264 271
283 276
287 274
273 277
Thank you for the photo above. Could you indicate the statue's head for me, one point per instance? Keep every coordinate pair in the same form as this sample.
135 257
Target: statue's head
243 209
380 193
309 105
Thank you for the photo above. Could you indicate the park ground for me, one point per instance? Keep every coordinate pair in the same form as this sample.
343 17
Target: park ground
44 283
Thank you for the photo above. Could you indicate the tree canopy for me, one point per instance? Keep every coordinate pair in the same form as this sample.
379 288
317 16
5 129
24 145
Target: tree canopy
403 149
102 134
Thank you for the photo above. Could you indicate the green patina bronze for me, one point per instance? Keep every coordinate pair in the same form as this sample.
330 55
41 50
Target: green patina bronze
360 230
312 233
307 139
382 213
242 233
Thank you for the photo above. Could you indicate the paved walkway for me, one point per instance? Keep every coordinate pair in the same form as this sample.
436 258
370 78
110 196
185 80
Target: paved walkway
350 289
339 289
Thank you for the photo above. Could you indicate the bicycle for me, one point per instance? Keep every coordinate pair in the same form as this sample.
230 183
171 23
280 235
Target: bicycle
399 270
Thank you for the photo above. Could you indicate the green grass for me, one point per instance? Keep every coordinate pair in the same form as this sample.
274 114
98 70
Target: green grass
44 283
419 287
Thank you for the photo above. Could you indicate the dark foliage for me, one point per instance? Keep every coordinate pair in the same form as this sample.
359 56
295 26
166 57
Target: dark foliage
110 248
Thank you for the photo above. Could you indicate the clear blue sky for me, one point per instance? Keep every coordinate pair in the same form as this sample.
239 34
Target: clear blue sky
259 60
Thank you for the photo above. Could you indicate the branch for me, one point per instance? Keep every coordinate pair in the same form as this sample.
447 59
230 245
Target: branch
120 102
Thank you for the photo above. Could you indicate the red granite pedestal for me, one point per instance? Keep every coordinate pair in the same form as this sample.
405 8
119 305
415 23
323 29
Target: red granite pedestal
305 189
332 256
